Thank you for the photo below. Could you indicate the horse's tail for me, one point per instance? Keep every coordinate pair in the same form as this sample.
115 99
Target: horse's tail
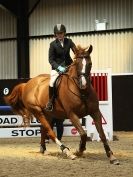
14 99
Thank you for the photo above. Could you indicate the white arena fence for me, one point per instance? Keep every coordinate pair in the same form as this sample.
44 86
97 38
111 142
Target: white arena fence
10 125
102 83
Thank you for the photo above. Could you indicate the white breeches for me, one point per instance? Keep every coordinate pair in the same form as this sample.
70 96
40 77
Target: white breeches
54 74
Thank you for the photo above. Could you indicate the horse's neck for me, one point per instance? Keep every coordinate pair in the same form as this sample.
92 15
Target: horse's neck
72 71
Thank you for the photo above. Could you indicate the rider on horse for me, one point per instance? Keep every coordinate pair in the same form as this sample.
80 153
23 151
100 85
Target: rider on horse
59 58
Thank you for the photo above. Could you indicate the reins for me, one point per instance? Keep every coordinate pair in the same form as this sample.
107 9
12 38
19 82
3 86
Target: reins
76 80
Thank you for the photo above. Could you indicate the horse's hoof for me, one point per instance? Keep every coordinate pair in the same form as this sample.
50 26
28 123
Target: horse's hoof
42 149
78 153
46 153
73 157
69 154
115 162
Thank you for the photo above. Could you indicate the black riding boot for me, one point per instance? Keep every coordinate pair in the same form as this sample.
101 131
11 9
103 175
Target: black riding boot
49 105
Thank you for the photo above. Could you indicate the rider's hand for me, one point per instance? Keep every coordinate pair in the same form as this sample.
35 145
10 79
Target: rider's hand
61 69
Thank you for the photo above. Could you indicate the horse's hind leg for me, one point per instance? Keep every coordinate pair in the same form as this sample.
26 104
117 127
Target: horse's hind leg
43 138
98 123
40 116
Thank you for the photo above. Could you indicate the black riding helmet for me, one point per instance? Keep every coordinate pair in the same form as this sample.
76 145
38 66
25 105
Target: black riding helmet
59 28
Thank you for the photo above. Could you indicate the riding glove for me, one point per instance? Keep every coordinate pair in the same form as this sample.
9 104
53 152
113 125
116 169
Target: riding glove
61 69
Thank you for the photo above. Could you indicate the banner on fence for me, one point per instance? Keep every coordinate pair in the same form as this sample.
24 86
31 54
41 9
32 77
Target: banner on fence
11 127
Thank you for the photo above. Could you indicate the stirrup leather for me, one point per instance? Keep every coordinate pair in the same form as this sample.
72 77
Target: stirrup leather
49 105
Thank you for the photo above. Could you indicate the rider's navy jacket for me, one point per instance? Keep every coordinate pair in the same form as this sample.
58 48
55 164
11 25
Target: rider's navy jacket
59 55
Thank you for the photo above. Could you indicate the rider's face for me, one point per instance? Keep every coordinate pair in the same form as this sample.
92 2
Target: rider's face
60 36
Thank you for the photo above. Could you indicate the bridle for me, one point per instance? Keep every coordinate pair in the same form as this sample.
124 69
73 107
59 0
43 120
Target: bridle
76 80
83 75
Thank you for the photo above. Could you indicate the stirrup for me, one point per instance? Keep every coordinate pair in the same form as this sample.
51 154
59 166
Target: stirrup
49 106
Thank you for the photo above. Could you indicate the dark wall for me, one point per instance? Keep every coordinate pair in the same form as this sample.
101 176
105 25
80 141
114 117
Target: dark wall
6 87
122 95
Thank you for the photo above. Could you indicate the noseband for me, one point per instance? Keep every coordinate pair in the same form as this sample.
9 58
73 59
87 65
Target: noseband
81 78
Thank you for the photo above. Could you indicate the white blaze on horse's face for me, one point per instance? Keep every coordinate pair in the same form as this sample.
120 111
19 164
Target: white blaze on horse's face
83 80
84 65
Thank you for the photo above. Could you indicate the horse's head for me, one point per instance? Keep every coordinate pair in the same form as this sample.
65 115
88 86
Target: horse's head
83 65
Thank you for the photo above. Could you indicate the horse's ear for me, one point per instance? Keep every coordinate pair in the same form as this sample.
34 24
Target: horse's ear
90 49
75 50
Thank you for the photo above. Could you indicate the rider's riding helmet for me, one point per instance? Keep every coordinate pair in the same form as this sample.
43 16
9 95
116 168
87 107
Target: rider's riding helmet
59 28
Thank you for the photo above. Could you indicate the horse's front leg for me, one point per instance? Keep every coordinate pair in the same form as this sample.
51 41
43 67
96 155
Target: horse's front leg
97 117
76 122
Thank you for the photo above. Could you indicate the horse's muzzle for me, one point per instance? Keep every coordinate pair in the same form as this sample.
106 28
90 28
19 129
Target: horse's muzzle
82 82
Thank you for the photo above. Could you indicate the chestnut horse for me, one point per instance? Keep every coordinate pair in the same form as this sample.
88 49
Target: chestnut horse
75 98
